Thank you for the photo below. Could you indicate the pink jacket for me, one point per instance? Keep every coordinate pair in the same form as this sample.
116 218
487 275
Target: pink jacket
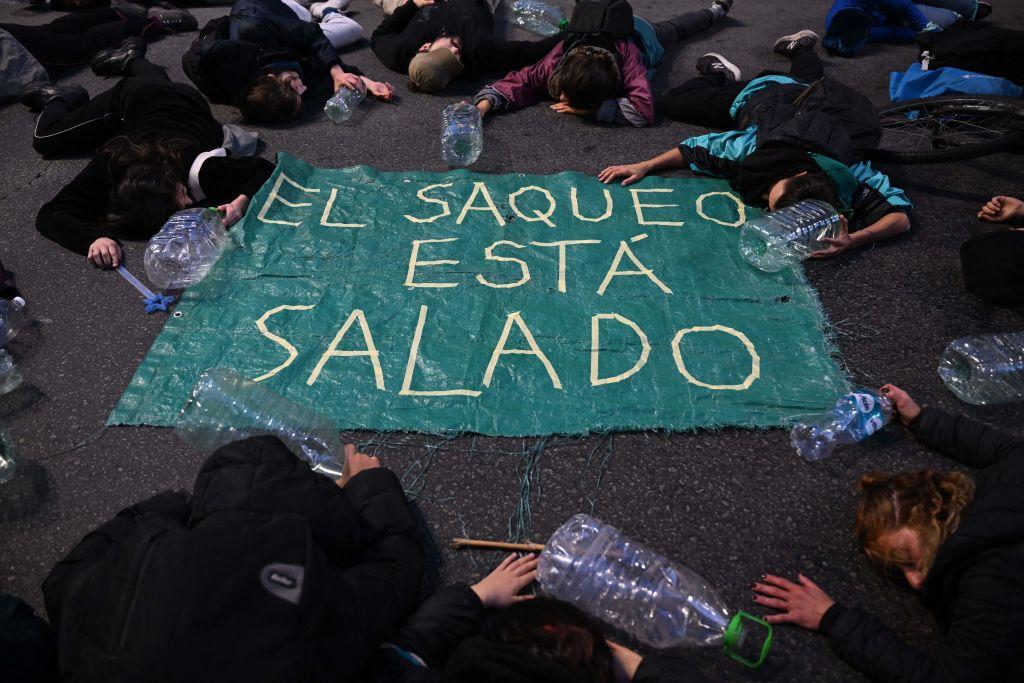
530 84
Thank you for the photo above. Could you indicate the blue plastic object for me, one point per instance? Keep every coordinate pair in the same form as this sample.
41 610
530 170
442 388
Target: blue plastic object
153 302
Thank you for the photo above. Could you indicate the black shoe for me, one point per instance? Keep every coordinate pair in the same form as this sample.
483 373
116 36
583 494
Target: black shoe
786 44
726 5
114 60
173 20
38 95
130 10
984 9
714 63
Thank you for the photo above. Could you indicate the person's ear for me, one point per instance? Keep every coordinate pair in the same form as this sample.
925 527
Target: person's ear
425 47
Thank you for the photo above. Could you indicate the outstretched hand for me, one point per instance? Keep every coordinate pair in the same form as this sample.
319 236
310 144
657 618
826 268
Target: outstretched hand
382 91
631 173
1001 209
563 108
356 462
501 587
905 407
104 253
838 244
802 603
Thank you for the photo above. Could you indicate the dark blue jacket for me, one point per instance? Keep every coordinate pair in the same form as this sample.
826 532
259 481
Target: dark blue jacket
258 36
896 21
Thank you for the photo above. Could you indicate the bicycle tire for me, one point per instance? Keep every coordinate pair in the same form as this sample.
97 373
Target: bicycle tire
1005 115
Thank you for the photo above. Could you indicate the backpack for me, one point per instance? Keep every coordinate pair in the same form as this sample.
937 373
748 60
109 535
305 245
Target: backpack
610 18
981 48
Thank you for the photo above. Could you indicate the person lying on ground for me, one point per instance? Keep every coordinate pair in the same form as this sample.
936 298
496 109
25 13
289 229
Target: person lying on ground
267 56
993 263
957 539
596 75
266 572
790 137
74 38
488 632
158 149
851 24
436 42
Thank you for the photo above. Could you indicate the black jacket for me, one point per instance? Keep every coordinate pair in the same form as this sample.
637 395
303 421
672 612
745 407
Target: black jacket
268 573
149 108
976 585
400 36
828 117
258 36
442 641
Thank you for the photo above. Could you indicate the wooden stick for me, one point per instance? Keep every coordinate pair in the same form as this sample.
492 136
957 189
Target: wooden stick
496 545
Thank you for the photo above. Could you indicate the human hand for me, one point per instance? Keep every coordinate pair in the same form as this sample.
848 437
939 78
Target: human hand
1001 209
803 603
233 212
563 108
906 408
483 106
625 662
343 79
630 172
382 91
356 462
500 588
104 253
838 244
423 3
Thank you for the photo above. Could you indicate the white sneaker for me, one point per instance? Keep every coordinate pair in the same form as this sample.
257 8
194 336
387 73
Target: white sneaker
317 8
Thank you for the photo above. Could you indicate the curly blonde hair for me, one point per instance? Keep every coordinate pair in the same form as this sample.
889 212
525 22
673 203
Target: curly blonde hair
928 502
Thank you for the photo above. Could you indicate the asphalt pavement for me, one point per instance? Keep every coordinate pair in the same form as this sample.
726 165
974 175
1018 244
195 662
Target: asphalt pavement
732 504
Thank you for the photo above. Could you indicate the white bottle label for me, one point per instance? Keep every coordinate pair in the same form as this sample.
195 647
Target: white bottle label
865 402
872 425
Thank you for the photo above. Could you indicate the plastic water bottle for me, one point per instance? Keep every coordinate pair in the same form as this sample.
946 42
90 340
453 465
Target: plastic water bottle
854 417
12 318
6 455
185 248
225 406
537 17
595 567
985 369
783 238
10 376
344 103
462 134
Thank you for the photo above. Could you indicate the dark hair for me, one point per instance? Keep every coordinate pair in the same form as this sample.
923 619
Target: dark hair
587 77
555 631
270 100
144 179
811 185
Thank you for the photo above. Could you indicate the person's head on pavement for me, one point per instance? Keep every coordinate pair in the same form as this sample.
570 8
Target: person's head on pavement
587 77
436 64
274 97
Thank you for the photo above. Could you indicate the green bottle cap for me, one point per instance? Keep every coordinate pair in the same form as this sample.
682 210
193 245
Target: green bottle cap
733 633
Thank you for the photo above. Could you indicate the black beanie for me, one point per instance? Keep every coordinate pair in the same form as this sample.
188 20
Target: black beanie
993 266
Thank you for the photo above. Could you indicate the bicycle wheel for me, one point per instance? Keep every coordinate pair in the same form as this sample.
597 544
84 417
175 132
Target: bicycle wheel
949 128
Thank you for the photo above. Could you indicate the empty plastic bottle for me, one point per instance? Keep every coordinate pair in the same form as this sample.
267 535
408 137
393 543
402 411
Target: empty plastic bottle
855 417
224 406
186 248
344 103
462 134
6 455
985 369
537 17
595 567
10 376
783 238
12 318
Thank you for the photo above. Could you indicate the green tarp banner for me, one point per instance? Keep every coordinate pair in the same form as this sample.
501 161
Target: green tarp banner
498 304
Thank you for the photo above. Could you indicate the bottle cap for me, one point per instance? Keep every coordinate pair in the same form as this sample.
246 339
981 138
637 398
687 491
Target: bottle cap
20 302
734 636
